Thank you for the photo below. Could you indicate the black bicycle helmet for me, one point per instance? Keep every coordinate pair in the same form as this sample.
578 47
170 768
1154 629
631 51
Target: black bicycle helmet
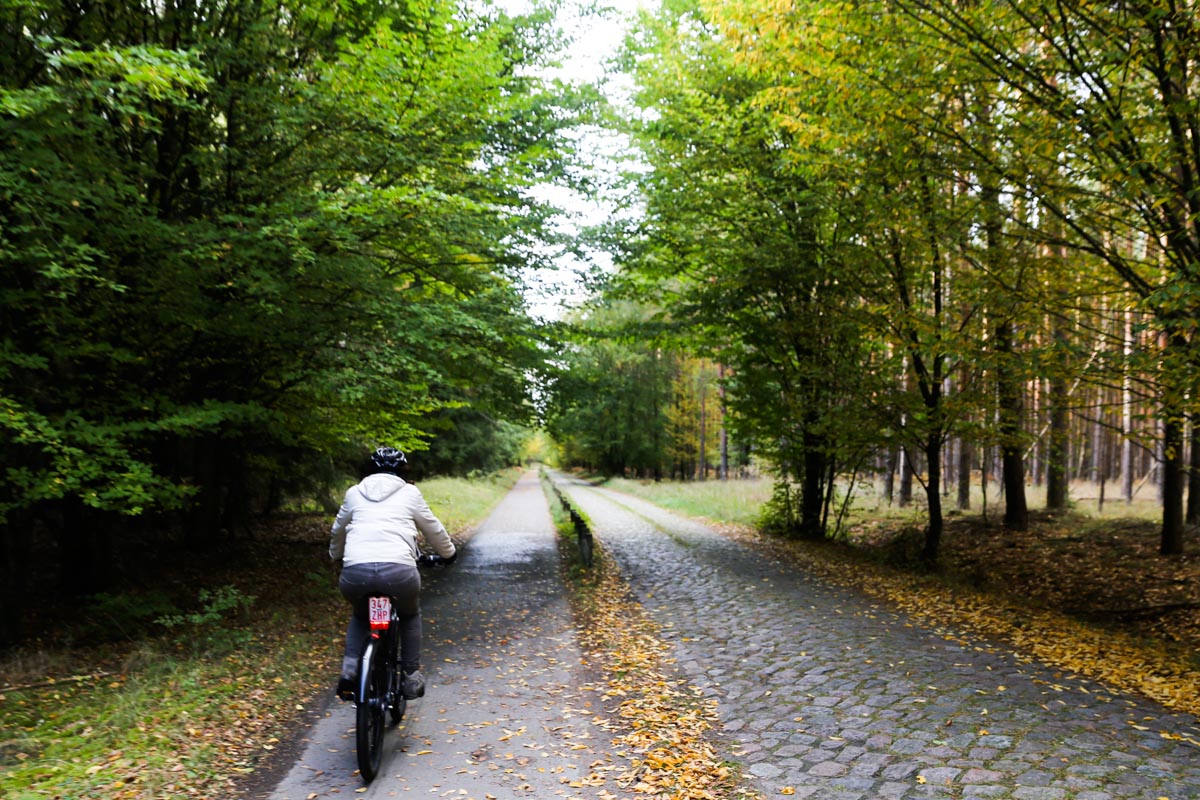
388 458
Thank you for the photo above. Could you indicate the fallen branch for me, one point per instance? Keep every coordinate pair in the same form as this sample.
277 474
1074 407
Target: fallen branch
56 682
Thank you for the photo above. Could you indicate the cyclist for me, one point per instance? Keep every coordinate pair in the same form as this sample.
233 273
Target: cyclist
374 543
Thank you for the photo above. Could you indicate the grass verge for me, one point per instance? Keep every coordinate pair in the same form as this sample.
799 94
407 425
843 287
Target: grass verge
192 711
463 503
738 501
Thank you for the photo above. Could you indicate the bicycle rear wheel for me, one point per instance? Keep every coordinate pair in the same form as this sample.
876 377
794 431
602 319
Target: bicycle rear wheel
372 701
396 702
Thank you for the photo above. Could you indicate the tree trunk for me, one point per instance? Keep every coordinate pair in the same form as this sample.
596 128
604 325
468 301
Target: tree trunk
1097 449
1193 493
1012 462
724 432
933 494
1034 454
906 479
1058 451
812 497
1127 467
1171 543
702 466
889 475
965 459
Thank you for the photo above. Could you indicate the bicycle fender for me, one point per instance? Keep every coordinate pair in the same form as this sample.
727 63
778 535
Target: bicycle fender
365 665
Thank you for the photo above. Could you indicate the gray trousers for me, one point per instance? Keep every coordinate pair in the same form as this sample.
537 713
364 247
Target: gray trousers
402 582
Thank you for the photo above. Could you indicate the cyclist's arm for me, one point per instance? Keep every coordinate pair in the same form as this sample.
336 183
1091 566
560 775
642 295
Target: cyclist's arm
431 527
337 535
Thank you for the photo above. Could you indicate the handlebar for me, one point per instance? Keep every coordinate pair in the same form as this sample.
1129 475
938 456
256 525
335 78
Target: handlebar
429 559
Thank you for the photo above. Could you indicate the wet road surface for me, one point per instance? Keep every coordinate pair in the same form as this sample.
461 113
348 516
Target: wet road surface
505 713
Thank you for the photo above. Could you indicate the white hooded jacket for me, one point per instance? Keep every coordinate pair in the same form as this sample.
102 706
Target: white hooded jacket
379 520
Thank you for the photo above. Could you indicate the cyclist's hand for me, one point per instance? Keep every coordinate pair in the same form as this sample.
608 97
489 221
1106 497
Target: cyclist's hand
451 559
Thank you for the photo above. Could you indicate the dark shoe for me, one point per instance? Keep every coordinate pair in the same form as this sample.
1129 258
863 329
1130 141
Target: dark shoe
346 688
414 685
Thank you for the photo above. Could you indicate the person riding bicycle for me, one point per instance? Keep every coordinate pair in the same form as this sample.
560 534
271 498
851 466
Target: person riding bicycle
374 543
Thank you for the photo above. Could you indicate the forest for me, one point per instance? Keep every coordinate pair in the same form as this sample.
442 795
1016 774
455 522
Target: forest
915 242
243 243
921 243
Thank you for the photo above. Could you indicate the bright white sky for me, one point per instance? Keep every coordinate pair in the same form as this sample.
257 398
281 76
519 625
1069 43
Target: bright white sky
595 38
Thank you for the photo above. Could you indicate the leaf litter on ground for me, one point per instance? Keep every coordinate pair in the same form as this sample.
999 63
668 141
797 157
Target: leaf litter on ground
661 724
189 720
1133 626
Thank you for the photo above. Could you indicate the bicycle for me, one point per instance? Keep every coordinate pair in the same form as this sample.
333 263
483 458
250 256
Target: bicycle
379 693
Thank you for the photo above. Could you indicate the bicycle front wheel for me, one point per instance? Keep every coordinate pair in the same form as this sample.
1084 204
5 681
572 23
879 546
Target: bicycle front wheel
372 702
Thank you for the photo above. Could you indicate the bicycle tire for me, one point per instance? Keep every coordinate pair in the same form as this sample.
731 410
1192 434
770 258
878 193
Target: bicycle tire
369 711
397 704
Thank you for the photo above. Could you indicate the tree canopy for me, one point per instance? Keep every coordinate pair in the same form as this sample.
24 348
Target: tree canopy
245 242
949 240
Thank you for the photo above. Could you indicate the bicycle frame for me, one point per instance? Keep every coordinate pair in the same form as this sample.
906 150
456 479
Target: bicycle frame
378 692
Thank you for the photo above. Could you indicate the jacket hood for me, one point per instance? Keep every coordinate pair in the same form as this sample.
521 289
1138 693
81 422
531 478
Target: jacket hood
380 486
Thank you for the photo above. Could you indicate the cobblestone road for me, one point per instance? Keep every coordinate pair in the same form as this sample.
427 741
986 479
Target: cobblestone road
824 692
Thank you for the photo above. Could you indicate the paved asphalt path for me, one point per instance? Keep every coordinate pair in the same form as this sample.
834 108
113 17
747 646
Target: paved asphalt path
821 691
505 715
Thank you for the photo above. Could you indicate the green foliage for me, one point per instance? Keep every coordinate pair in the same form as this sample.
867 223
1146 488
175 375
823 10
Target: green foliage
242 242
610 394
129 614
896 225
741 248
470 443
210 627
780 515
1112 170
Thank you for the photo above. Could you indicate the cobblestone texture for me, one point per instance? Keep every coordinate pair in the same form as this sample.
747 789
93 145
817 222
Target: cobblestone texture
821 690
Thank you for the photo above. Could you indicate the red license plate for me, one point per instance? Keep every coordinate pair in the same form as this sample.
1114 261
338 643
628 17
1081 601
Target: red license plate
381 612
